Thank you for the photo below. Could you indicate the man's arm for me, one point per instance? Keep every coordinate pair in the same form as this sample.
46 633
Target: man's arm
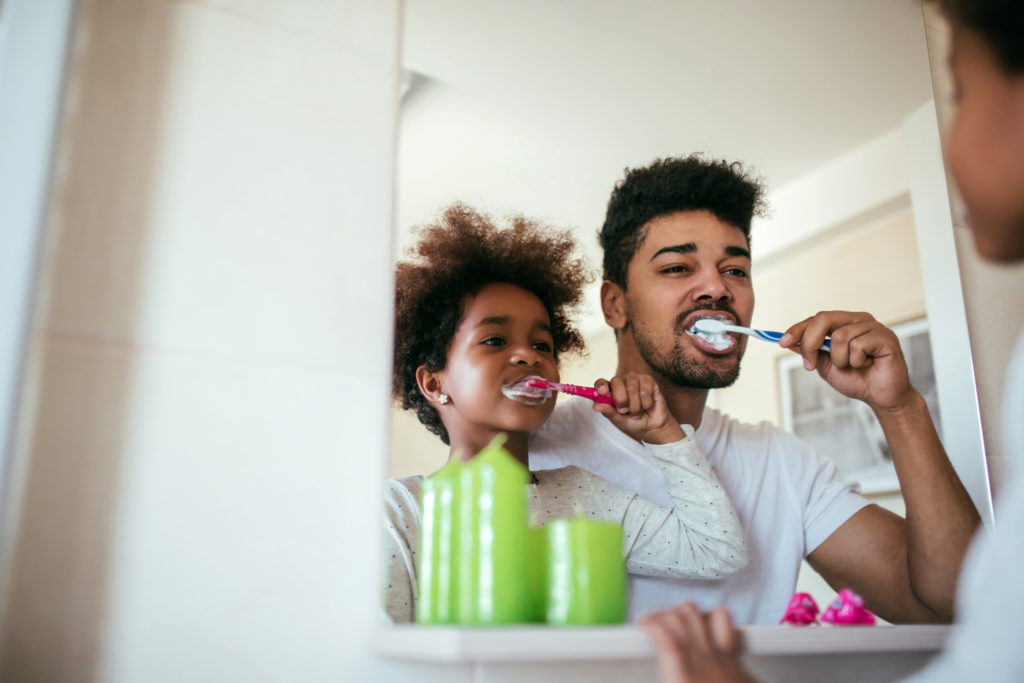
906 570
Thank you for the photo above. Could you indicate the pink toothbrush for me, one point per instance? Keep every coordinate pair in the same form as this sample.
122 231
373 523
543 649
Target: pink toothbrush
573 389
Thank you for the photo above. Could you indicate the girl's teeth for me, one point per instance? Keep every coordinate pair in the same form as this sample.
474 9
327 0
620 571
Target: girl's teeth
523 393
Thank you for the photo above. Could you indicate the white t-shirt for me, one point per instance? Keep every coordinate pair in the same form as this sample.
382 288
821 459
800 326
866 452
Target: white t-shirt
985 643
788 498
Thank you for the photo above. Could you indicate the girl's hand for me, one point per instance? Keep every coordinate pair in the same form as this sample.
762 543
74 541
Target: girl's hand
641 408
695 647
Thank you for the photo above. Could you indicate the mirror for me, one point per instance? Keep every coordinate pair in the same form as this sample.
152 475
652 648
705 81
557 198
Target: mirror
538 107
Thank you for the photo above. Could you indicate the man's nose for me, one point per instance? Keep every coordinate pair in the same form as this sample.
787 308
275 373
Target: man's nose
711 286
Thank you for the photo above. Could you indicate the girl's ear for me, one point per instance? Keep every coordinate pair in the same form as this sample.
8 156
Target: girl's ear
613 305
430 385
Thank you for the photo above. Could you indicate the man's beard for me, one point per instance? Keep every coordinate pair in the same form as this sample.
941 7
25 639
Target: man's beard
676 367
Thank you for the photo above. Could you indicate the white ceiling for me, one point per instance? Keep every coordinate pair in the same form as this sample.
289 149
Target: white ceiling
538 106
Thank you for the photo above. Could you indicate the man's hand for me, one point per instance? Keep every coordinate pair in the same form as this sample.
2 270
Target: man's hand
865 361
906 569
640 408
696 647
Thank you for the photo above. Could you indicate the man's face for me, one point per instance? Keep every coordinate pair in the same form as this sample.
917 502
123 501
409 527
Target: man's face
690 266
985 146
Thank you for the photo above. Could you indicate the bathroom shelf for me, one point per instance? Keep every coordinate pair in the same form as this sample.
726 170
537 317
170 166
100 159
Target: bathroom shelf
543 643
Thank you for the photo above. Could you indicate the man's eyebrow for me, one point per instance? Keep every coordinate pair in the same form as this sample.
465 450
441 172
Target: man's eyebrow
687 248
690 248
737 251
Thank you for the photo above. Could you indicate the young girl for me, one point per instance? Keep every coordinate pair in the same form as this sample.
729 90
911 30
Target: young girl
479 310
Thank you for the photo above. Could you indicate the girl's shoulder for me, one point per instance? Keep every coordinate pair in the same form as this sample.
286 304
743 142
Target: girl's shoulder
403 492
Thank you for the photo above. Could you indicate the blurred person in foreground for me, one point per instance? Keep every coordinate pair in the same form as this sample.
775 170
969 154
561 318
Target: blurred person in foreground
985 153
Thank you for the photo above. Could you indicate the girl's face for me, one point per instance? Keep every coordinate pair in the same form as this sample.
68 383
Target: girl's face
504 336
985 146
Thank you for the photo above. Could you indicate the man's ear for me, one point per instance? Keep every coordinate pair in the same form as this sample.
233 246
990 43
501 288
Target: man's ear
613 305
430 384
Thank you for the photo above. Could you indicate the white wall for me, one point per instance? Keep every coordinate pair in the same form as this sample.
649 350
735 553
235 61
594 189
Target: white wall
33 49
212 343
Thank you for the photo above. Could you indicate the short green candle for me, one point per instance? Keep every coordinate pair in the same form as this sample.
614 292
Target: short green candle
437 579
586 572
492 538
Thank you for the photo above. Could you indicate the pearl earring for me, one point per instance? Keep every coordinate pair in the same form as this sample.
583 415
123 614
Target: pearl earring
443 398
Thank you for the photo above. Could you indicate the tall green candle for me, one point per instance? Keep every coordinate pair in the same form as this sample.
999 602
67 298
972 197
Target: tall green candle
586 572
437 580
492 538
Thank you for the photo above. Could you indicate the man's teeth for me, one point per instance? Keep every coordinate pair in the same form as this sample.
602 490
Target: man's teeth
719 341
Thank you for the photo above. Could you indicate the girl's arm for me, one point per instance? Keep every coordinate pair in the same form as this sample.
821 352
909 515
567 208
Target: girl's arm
700 537
401 542
703 518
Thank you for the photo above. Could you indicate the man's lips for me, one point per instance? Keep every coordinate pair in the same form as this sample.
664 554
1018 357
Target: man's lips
717 345
724 316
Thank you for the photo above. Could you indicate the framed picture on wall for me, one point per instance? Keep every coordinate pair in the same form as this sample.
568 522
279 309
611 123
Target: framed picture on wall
845 430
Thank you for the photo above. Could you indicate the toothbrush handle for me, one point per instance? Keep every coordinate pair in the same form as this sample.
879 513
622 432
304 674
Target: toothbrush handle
768 335
586 392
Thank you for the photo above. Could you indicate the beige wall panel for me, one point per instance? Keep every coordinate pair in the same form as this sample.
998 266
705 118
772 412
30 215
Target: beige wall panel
874 269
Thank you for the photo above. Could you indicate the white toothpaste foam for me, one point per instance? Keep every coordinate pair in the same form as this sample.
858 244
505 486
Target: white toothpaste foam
522 392
719 340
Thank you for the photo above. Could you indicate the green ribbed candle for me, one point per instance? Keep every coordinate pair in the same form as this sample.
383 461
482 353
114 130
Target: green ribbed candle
493 539
586 572
536 573
437 602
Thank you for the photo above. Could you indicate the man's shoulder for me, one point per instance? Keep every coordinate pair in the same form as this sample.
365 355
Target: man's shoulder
570 414
729 431
575 434
755 447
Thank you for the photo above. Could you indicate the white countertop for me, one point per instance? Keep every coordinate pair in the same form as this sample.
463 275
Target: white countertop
546 643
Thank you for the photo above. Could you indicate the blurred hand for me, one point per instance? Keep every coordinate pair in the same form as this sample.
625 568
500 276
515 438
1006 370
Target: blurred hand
696 647
865 361
640 408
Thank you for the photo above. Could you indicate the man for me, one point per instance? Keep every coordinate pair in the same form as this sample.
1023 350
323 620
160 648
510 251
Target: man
985 152
677 249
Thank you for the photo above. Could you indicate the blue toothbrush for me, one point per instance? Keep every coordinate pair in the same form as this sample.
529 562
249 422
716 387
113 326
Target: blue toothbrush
710 326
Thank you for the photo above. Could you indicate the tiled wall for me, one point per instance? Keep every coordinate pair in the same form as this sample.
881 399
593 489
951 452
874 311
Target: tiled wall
211 347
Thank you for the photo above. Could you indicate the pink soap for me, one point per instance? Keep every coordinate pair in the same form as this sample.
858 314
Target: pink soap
802 610
848 610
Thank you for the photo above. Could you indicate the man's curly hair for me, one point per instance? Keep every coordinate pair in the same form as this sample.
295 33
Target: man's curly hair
669 185
999 22
453 260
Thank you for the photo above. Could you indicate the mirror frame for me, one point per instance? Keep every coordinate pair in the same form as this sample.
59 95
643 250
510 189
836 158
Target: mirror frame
944 297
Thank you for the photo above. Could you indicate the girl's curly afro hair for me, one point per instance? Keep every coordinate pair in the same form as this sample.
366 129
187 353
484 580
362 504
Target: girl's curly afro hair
453 260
